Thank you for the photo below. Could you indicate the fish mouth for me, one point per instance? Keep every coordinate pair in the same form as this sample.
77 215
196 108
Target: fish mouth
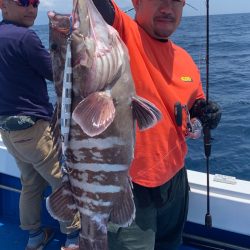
56 24
64 31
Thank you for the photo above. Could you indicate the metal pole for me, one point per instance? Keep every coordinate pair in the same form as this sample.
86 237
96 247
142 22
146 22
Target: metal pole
206 129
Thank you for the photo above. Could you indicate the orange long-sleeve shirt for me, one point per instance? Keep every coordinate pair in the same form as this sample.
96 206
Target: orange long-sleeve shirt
164 74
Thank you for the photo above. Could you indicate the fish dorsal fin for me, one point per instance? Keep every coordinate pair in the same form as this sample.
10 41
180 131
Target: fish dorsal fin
123 212
146 113
95 113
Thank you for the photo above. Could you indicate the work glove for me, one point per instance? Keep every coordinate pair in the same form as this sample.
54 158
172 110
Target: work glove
208 113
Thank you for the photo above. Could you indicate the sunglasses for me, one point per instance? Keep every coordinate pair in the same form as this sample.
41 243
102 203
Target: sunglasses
26 3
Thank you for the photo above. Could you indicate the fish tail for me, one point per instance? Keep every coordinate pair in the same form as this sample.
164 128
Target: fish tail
93 244
146 114
61 205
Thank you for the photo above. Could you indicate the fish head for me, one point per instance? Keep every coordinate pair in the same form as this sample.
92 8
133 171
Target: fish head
59 32
83 47
81 16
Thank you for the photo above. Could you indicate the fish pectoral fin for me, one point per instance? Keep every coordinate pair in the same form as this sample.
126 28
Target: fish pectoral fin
95 113
145 112
123 213
61 204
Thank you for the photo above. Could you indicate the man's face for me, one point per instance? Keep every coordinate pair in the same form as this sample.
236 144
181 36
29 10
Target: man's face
159 18
24 16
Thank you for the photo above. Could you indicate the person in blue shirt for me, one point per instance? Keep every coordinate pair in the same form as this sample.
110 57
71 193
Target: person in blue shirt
25 113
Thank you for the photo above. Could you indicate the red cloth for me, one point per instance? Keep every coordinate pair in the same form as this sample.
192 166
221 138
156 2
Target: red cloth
164 74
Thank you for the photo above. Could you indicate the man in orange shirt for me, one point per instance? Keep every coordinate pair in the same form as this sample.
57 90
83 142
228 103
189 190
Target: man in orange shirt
164 74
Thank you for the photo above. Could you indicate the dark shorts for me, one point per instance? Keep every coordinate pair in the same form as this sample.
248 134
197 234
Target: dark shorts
160 217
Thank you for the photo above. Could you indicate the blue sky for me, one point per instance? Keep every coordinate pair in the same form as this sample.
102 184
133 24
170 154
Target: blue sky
216 7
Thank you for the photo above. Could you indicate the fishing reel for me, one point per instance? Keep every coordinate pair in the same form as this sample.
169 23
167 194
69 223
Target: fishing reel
194 126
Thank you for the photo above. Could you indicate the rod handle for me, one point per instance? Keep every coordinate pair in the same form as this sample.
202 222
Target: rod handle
178 113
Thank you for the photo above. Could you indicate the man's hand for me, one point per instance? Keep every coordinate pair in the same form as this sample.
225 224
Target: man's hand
208 113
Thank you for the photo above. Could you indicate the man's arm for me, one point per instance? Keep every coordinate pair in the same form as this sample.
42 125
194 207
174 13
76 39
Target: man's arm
106 8
38 57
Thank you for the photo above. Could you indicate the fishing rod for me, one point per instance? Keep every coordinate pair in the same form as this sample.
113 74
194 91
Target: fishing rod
206 129
185 3
129 10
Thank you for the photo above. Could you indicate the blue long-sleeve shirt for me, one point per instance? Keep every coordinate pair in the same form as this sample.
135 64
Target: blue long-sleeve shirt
24 66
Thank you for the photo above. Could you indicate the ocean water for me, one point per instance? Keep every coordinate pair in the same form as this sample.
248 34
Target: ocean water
229 85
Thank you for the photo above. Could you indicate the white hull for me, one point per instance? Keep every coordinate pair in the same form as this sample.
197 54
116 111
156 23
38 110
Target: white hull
230 202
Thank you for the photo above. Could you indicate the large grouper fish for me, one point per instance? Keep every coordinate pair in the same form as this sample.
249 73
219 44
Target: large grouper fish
94 124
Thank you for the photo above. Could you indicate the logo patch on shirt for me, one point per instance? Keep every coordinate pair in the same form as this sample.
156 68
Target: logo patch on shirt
186 79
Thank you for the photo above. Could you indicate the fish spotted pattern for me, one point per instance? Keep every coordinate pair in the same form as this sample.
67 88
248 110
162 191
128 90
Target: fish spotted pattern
100 142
